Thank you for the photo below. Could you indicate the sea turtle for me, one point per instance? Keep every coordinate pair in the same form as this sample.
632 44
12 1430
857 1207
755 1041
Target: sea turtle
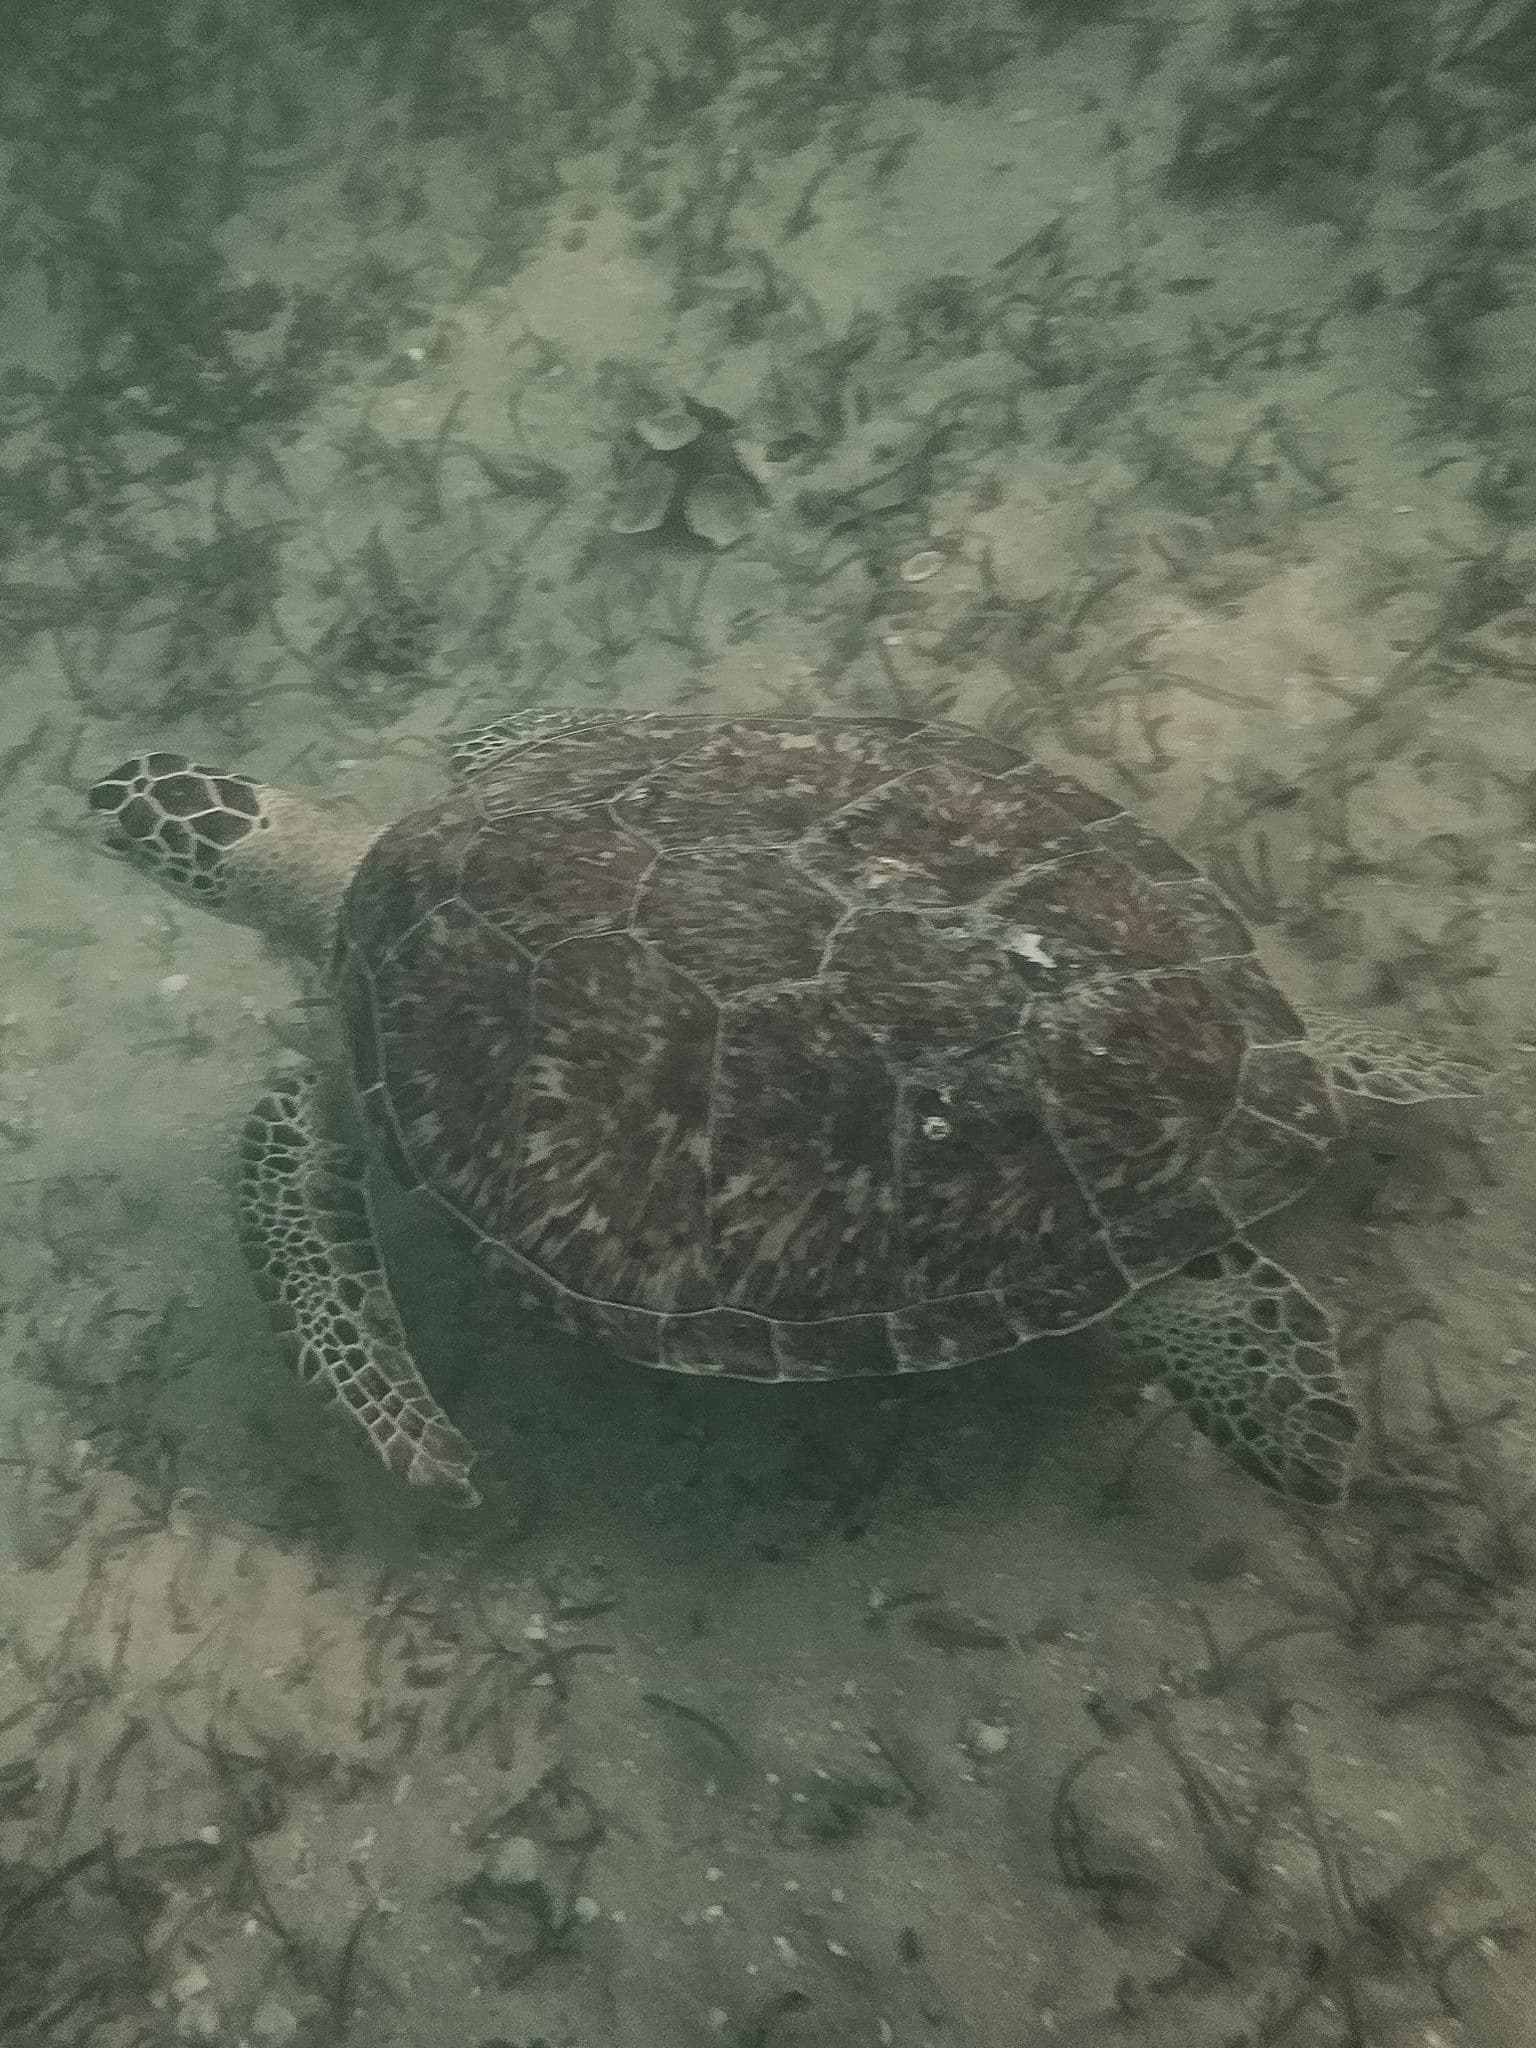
784 1048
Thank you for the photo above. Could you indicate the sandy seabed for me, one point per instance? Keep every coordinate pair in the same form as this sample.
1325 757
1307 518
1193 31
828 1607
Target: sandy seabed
1156 393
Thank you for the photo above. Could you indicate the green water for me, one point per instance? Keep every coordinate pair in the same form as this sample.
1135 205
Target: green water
1149 388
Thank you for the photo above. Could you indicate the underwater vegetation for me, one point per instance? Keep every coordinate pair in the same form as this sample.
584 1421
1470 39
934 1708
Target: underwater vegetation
370 370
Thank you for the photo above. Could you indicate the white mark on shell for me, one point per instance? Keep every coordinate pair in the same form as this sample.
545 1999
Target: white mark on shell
1029 946
919 567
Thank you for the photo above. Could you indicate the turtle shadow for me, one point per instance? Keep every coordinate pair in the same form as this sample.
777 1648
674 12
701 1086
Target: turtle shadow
575 1438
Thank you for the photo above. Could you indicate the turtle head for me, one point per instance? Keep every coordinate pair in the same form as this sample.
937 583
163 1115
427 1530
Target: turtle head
257 854
180 822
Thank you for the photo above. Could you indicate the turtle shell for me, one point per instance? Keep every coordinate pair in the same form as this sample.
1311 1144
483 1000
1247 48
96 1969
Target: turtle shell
790 1048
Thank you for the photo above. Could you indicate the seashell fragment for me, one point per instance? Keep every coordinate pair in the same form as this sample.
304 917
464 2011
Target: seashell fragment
673 427
718 509
642 499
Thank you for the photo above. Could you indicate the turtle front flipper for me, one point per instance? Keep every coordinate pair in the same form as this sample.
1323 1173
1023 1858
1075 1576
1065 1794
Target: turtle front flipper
307 1231
1252 1360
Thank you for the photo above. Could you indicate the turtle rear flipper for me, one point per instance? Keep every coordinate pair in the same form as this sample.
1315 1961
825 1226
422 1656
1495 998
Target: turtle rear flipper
1252 1360
306 1229
1389 1066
